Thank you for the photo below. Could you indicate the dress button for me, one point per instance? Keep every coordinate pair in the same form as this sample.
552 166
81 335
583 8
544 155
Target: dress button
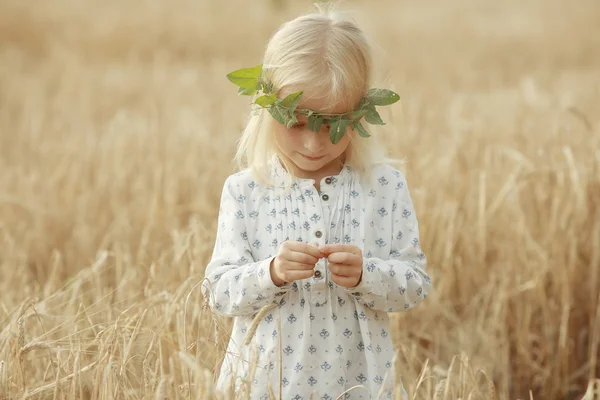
318 234
328 181
325 197
317 274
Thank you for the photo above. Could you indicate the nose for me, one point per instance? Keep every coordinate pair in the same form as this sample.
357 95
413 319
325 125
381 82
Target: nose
313 142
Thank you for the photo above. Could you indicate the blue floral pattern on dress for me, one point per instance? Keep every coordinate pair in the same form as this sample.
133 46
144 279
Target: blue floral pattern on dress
327 337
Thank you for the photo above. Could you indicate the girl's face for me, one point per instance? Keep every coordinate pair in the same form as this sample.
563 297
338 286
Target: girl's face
312 154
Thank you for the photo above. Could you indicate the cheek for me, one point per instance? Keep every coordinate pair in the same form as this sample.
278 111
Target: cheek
287 139
341 146
295 138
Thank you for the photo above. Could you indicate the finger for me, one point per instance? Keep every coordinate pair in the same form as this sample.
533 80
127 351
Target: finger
344 270
306 248
302 258
339 270
297 266
339 248
344 258
345 281
291 276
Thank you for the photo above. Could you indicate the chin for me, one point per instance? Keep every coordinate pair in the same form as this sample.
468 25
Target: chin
311 165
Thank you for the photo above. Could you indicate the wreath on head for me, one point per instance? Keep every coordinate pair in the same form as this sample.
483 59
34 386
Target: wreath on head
251 82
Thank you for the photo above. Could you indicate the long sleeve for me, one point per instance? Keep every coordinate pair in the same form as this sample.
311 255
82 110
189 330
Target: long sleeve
235 284
400 282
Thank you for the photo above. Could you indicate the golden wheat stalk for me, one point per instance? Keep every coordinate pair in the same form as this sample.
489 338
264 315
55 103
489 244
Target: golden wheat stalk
161 390
50 386
35 346
440 390
256 321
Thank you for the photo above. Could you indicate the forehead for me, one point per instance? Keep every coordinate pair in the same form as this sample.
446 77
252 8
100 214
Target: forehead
321 102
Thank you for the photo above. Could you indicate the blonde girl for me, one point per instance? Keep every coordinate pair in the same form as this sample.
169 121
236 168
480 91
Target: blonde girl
317 236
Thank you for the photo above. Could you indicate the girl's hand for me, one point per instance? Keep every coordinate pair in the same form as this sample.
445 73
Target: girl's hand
294 261
345 263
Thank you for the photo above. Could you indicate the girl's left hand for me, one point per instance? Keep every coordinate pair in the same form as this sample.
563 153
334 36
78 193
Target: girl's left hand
345 263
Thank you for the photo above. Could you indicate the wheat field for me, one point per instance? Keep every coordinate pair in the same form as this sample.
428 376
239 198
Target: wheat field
117 130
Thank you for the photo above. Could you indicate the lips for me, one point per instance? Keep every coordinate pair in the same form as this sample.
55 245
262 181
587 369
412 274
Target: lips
311 158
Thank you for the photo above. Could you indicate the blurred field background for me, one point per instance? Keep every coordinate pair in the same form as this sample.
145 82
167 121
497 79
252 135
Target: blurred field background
117 127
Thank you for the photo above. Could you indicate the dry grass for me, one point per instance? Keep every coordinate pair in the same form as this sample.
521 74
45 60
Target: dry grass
116 131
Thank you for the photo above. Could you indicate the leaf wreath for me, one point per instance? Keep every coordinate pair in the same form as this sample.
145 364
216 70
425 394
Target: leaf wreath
251 82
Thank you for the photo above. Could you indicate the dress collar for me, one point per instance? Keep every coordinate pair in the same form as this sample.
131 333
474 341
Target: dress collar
281 177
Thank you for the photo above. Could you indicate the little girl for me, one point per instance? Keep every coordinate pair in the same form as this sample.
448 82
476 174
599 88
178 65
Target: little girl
317 237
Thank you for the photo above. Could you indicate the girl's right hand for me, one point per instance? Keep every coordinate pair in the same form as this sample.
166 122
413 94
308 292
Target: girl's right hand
294 261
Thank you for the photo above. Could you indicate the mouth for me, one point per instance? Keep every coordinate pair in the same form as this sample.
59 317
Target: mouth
311 158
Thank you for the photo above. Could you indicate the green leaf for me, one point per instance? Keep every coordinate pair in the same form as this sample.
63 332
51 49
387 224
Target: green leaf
290 120
315 123
374 118
364 103
382 97
266 100
357 127
337 129
360 113
278 113
266 87
291 101
246 91
246 77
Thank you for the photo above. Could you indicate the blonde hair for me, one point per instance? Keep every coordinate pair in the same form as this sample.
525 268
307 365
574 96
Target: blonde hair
327 55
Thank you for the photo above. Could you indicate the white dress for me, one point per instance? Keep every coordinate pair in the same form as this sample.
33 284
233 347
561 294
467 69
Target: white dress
321 339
